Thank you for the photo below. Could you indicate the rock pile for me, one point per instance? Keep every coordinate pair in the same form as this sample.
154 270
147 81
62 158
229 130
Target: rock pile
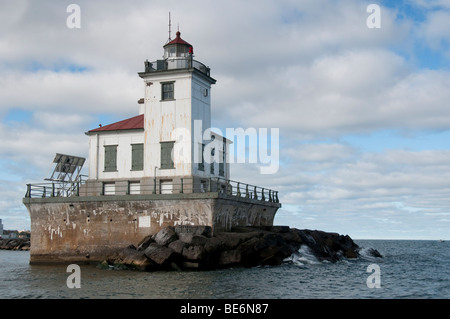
15 244
193 247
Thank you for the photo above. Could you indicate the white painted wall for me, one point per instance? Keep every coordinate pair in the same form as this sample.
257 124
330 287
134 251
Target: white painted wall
171 120
123 139
176 120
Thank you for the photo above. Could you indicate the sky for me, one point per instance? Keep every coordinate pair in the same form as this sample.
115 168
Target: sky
363 113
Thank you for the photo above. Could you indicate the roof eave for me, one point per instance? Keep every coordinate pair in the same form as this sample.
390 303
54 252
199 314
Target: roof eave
93 132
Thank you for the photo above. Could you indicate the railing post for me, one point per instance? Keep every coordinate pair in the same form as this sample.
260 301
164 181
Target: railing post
277 200
28 194
181 189
255 194
238 192
78 189
209 186
270 195
247 195
263 198
43 194
229 188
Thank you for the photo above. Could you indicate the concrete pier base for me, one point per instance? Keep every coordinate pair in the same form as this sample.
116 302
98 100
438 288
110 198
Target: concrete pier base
92 228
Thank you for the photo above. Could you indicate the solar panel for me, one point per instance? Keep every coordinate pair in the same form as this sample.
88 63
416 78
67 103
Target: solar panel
66 167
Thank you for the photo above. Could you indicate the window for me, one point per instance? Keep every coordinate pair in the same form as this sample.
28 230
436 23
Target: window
137 157
166 187
167 91
166 155
110 158
213 151
222 165
109 188
201 165
134 188
202 186
223 156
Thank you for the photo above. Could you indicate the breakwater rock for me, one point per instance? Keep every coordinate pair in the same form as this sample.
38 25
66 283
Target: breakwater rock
193 247
15 244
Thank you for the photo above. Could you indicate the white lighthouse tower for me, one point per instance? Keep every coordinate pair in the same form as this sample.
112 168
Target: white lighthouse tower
169 144
177 111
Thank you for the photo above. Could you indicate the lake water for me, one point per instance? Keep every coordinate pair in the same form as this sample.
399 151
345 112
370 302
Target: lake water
408 269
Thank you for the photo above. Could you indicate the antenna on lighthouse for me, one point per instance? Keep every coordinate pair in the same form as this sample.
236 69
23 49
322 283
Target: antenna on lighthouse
170 26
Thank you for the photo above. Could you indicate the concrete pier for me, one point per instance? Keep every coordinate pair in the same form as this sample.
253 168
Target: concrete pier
91 228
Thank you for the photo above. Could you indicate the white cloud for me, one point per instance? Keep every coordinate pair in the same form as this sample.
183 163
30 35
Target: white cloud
311 68
349 93
400 193
62 92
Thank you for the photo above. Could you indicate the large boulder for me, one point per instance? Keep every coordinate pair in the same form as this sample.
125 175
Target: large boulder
229 258
194 229
192 239
177 246
194 253
161 255
270 249
132 258
144 243
329 246
165 236
230 240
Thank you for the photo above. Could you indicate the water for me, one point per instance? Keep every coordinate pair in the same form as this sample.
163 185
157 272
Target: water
408 269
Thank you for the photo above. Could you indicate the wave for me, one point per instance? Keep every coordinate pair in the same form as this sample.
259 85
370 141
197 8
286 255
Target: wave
304 256
369 254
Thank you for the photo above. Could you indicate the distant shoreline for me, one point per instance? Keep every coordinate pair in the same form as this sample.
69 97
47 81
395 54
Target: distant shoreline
15 244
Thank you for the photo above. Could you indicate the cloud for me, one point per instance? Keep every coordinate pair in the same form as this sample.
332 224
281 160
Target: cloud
63 92
375 191
352 92
401 193
434 30
311 68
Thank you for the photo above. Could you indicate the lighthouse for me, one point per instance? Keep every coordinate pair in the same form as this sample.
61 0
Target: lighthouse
163 167
166 143
177 112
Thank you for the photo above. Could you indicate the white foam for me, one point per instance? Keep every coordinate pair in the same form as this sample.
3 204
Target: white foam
304 256
366 254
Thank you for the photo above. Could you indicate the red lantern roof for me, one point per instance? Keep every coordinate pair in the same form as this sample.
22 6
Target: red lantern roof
178 40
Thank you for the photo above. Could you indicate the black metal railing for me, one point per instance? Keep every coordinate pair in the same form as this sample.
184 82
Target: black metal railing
56 188
176 63
186 185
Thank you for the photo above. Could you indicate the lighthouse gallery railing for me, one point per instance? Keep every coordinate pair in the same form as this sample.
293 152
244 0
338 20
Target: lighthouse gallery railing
132 187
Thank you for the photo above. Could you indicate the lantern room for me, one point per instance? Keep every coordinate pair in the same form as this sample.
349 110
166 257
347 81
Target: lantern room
177 48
